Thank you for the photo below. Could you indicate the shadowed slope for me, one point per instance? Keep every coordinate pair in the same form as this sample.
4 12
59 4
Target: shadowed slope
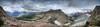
94 19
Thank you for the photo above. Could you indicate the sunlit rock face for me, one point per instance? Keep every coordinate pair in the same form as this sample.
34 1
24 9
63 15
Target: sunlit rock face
52 15
94 19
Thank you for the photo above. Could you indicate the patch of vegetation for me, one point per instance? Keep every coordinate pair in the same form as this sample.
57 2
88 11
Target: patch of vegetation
26 17
1 23
96 22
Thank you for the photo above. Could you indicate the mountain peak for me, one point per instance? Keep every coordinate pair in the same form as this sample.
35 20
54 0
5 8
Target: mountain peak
54 11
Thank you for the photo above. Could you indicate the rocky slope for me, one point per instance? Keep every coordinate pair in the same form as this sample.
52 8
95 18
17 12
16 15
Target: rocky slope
51 18
52 15
8 21
94 19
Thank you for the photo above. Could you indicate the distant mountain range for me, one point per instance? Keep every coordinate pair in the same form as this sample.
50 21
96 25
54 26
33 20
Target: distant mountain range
16 13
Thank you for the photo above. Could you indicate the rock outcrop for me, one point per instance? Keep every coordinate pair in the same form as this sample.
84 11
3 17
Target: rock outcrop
53 15
94 19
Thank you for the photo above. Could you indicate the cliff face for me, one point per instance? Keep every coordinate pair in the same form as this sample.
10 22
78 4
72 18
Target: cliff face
2 14
94 19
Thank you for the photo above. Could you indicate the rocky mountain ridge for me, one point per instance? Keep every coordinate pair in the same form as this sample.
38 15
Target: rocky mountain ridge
51 18
47 18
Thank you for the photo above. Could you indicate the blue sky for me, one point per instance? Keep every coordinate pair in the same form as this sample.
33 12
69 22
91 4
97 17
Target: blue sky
67 6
